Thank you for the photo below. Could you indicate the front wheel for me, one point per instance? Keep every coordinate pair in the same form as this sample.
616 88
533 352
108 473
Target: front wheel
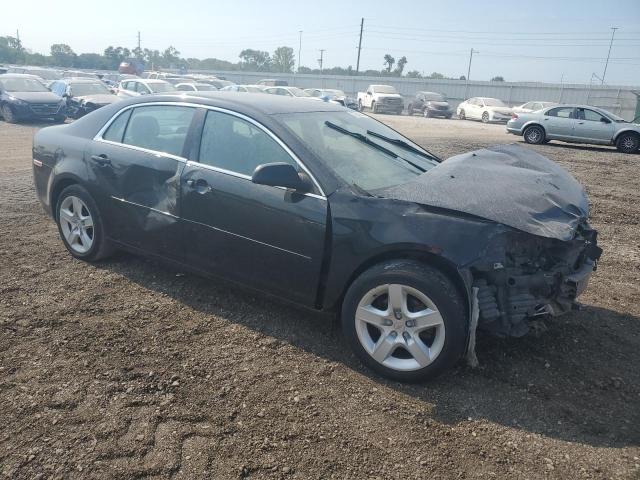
426 113
461 115
628 143
485 117
7 114
80 225
360 107
374 107
534 135
405 320
410 109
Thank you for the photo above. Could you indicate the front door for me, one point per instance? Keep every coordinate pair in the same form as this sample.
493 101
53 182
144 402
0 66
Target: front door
592 126
135 167
266 237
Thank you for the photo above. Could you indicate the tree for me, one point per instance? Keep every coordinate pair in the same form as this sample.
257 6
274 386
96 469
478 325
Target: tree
414 74
283 60
389 61
10 50
255 60
400 67
170 57
497 79
436 76
115 56
62 55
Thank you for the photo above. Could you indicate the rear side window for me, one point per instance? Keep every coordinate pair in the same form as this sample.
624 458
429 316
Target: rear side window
233 144
161 128
562 112
115 132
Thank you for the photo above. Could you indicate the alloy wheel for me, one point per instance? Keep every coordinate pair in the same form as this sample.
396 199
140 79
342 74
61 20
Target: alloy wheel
399 327
76 223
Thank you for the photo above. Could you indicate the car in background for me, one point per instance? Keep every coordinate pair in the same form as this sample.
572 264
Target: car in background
485 109
381 99
243 88
80 74
287 92
46 74
24 97
329 209
576 124
430 104
532 107
113 79
83 95
216 82
143 86
333 95
194 87
272 82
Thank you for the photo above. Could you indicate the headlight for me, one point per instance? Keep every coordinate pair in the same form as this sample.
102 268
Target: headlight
17 101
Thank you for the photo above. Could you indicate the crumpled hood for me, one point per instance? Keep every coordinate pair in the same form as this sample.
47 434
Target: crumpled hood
509 184
36 97
99 99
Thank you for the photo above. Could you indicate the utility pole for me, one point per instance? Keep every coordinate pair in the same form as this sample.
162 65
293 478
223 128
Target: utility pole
359 46
299 50
613 32
139 49
322 50
466 87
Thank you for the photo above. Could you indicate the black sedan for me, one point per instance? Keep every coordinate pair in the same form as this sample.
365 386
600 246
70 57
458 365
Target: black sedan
83 95
24 97
430 104
327 208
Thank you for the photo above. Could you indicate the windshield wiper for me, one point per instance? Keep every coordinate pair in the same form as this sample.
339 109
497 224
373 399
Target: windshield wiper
361 137
405 145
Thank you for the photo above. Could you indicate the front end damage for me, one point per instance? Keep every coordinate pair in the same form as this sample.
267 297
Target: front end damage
523 277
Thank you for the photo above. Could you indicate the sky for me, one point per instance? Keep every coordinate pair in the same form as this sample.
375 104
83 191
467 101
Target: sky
545 40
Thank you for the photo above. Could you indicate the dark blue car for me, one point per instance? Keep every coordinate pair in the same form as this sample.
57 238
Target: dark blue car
24 97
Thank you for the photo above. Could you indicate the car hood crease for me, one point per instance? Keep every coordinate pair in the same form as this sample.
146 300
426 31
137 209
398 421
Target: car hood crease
508 184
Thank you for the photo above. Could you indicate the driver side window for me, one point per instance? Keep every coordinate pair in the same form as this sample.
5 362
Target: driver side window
233 144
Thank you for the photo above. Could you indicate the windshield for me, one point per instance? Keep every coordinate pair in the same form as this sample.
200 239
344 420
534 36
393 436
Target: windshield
296 92
616 118
161 87
493 102
434 97
82 89
22 85
46 74
335 93
384 89
352 159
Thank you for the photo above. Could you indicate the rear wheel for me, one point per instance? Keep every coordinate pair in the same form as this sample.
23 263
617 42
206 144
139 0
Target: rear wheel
7 114
628 142
462 115
485 117
360 107
80 225
534 134
410 109
405 320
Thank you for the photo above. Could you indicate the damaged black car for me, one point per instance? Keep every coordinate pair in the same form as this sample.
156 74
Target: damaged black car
330 209
83 95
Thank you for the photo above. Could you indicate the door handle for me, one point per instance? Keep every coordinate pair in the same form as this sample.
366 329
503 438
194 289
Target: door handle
101 160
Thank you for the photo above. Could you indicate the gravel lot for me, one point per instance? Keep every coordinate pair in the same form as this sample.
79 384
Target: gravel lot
130 369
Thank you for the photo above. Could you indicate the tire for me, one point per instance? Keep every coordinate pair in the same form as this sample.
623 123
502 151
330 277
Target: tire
8 114
75 210
438 347
628 142
426 113
399 112
461 115
485 117
410 109
534 134
374 107
360 107
448 117
59 118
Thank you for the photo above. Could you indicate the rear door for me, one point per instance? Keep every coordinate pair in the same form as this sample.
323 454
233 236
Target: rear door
592 126
559 123
135 167
474 109
266 237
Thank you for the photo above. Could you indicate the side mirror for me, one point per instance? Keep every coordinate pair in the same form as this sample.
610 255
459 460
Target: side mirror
605 120
280 175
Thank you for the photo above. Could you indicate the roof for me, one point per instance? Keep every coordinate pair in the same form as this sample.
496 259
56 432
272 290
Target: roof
79 80
243 103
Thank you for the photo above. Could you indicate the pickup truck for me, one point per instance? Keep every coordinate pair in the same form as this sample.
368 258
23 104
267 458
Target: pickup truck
381 99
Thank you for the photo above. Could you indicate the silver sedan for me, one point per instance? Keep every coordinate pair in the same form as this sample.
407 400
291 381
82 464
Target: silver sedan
576 124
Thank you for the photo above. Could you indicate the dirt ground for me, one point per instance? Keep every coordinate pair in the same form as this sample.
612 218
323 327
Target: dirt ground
129 369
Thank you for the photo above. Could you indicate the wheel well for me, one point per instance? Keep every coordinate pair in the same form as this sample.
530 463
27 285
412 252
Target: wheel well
57 190
435 261
624 132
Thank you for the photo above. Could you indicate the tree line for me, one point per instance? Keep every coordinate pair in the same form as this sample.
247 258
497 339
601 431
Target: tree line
281 60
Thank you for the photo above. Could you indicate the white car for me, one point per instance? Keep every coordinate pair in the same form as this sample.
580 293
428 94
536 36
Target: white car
195 87
243 88
485 109
532 107
288 92
143 86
